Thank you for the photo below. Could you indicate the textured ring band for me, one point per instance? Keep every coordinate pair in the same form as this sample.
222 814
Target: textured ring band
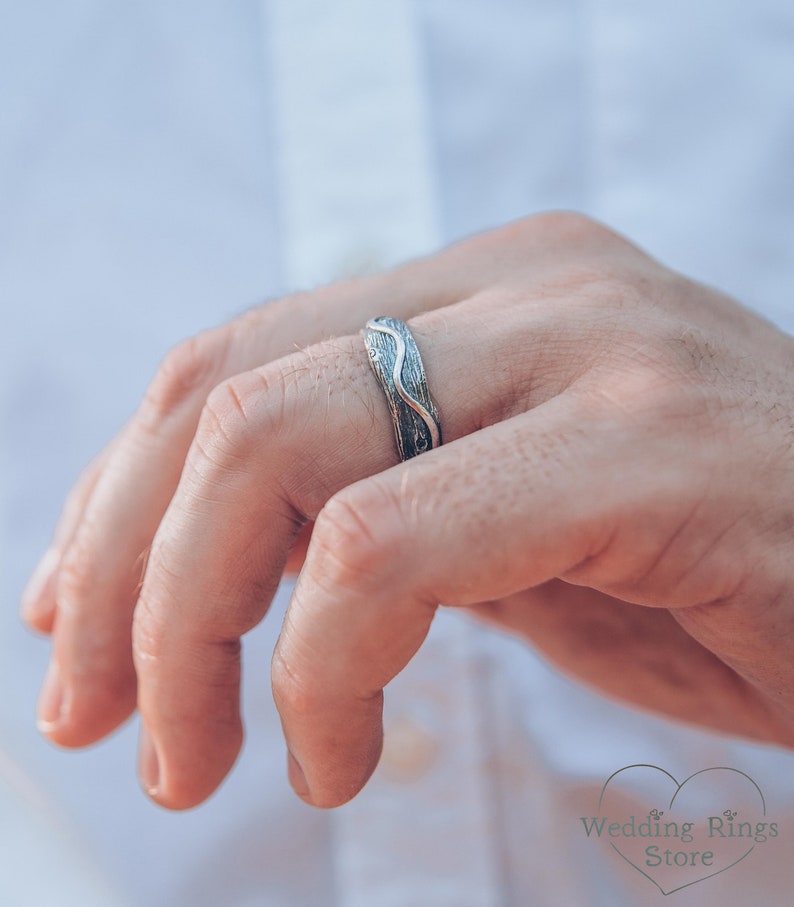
398 367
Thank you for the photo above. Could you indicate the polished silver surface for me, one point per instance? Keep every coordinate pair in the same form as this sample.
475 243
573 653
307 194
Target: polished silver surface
397 364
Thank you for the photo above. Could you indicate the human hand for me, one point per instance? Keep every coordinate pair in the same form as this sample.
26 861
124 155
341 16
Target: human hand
616 484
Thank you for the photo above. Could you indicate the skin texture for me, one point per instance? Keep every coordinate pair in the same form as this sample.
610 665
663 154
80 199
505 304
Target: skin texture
616 486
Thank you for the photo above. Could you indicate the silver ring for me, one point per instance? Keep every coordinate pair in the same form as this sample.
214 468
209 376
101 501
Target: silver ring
398 367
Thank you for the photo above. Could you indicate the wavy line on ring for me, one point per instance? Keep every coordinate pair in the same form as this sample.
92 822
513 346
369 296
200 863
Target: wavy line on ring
416 406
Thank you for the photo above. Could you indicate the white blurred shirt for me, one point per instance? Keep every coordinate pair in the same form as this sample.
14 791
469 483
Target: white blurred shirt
164 166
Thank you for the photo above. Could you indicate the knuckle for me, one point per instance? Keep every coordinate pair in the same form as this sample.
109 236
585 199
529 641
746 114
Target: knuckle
147 636
228 411
570 225
231 419
353 537
76 573
294 692
564 228
578 232
189 368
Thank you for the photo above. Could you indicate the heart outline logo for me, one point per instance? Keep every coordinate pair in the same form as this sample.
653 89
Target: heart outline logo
679 786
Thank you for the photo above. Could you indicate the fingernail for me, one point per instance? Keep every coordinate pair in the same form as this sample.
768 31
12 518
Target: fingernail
51 700
296 778
34 605
148 763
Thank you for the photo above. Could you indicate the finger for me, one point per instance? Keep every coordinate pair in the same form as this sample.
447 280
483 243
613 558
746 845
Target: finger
90 686
252 478
38 599
637 655
384 552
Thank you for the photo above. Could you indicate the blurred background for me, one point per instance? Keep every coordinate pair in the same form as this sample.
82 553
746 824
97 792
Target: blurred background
165 166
